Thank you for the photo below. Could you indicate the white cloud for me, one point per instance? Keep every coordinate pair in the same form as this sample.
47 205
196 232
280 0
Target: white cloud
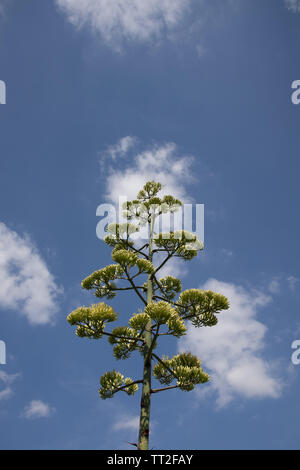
127 422
277 285
226 253
293 5
201 50
119 20
274 286
232 350
26 285
37 409
174 267
292 281
160 163
7 392
121 148
7 380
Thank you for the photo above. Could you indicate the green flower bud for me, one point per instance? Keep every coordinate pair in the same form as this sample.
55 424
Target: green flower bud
186 370
139 321
124 346
171 286
109 382
125 258
91 320
160 312
201 306
132 388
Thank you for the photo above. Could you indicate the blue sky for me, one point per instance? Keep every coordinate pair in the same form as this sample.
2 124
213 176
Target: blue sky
204 86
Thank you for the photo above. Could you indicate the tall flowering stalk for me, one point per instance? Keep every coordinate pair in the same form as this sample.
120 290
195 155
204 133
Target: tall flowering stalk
166 308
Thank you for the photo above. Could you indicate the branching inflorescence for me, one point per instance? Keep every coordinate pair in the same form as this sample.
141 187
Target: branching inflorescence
166 308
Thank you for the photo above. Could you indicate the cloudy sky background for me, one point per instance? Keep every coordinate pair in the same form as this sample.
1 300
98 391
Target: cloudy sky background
101 98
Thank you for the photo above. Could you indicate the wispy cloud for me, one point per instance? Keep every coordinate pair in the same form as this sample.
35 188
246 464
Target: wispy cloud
37 409
201 50
124 422
3 6
119 150
274 286
175 267
280 284
293 5
26 285
226 253
128 426
121 20
292 282
7 380
232 351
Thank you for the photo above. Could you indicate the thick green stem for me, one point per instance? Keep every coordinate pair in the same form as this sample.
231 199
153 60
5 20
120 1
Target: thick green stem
146 391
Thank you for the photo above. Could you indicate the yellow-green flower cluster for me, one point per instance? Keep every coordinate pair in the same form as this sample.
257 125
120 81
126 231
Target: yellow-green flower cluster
145 266
128 259
201 306
163 314
169 204
120 233
186 369
125 340
170 286
90 321
132 388
119 230
160 312
101 280
180 243
176 326
147 203
125 258
150 189
139 321
136 210
112 381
